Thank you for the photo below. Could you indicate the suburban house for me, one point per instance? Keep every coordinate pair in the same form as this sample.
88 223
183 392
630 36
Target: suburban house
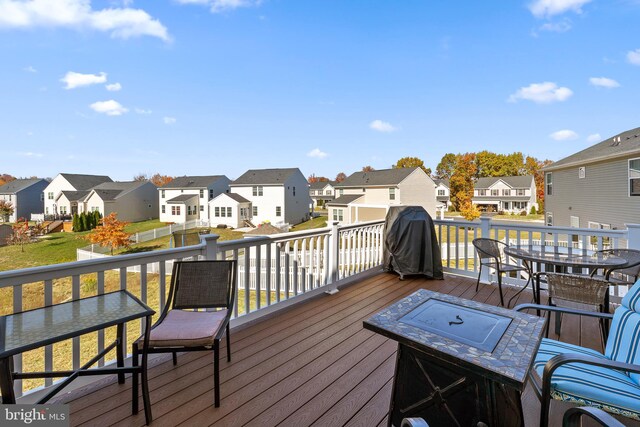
230 209
443 196
187 197
513 194
132 200
366 196
276 195
25 196
322 192
65 193
598 187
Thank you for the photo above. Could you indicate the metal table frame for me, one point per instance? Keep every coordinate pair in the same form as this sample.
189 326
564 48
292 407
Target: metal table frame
85 325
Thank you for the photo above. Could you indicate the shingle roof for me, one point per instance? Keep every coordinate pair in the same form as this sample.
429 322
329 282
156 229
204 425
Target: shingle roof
238 198
75 196
12 187
264 230
512 181
264 177
113 190
182 198
377 177
444 182
345 200
623 144
321 184
85 182
193 181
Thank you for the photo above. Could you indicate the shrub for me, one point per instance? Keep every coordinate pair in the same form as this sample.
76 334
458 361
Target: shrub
533 210
523 213
76 223
84 224
221 226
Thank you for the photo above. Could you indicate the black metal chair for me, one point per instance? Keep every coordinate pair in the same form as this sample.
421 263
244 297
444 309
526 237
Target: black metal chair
183 325
491 254
573 417
628 274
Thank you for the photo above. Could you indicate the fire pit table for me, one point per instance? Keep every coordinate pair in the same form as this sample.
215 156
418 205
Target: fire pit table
459 362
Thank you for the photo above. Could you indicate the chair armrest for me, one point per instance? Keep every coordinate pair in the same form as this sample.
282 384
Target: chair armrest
563 310
572 417
416 422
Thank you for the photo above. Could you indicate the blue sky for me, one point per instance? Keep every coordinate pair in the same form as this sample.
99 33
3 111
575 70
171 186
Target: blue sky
199 87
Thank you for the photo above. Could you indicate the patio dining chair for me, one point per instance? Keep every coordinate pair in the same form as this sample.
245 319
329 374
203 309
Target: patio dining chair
184 325
491 254
625 275
609 381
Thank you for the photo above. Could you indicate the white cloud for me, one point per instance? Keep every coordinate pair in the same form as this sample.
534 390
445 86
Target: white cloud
217 6
110 108
169 120
542 93
113 87
604 82
633 56
549 8
31 154
594 137
556 27
78 14
142 111
30 69
74 80
381 126
564 135
316 153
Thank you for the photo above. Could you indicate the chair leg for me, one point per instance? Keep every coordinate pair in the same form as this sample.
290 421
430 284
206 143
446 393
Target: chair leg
479 273
175 358
228 345
134 380
216 372
500 288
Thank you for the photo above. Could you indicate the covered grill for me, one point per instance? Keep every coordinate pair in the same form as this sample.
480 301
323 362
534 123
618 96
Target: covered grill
410 243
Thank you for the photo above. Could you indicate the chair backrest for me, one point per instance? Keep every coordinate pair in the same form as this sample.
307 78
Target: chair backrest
576 289
632 268
623 344
490 248
202 284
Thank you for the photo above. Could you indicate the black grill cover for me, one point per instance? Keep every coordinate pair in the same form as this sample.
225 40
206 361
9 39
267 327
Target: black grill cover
410 243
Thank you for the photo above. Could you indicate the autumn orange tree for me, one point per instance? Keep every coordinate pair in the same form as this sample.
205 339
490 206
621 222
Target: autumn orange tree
110 233
21 234
341 176
412 162
462 179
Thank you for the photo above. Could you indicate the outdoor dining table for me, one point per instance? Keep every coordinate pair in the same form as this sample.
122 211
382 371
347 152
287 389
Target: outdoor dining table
561 259
28 330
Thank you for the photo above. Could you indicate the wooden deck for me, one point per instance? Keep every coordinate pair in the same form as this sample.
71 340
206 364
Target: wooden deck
311 365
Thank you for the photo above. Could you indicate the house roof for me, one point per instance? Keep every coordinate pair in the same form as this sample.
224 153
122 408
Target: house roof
623 144
192 181
183 198
264 230
12 187
75 196
85 182
112 190
377 177
321 184
511 181
238 198
345 199
444 182
264 177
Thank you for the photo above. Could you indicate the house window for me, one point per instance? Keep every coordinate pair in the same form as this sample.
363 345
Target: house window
495 192
162 193
549 219
549 181
294 191
257 190
255 211
482 192
506 192
341 192
210 194
229 212
223 212
63 210
278 211
520 192
188 210
582 172
338 215
202 194
201 208
634 177
175 210
327 192
217 211
392 193
441 193
50 195
574 221
42 197
163 208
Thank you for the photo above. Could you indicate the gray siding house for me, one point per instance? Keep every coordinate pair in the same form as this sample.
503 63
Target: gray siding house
598 187
26 196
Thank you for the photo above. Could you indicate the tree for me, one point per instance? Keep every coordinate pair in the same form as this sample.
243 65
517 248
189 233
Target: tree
341 176
96 218
21 234
75 224
313 178
160 180
110 233
447 164
412 162
6 210
469 211
367 169
5 177
84 224
462 180
141 177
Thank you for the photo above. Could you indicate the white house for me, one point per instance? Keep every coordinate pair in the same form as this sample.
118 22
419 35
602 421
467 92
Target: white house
322 192
366 196
132 201
187 197
230 209
277 195
78 186
513 194
25 196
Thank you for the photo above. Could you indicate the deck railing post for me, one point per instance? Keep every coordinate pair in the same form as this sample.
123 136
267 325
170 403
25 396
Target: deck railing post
485 227
633 236
211 246
334 253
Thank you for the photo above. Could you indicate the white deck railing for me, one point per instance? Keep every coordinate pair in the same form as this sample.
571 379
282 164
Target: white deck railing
273 272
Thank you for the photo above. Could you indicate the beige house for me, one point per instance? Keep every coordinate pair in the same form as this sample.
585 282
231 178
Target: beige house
131 200
366 196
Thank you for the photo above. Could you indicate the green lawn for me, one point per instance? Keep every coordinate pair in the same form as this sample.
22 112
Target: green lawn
318 222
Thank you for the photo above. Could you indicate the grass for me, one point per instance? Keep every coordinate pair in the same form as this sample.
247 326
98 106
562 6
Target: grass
318 222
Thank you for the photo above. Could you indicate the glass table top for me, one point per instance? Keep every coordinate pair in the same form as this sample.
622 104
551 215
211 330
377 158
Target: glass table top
563 256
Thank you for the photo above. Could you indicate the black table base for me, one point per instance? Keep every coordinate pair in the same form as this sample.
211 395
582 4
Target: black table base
445 394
